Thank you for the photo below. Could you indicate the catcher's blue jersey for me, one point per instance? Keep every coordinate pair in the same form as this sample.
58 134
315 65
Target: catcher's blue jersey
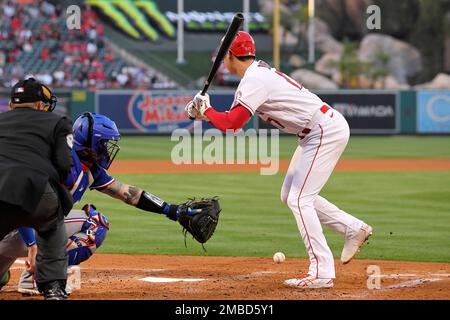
81 177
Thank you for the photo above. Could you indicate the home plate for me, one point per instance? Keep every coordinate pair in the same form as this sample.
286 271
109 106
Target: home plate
159 280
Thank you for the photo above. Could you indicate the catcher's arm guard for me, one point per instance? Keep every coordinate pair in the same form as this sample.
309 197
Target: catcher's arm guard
199 217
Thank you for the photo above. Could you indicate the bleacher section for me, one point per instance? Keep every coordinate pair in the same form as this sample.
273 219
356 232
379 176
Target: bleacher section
35 40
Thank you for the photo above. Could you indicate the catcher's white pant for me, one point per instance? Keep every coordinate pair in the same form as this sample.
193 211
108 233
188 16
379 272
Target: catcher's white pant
309 170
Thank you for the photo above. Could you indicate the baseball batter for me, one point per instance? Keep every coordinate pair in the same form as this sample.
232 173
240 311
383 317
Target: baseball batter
323 134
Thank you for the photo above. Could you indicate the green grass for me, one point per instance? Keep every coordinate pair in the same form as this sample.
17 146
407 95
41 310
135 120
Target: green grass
410 213
143 147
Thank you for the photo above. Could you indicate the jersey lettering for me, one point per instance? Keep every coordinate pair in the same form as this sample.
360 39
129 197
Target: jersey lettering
291 81
264 64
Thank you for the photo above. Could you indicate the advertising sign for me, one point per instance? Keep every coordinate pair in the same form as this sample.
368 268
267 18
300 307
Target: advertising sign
433 115
154 112
367 112
145 111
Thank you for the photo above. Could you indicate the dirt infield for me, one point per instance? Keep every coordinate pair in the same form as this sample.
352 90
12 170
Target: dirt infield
166 166
116 276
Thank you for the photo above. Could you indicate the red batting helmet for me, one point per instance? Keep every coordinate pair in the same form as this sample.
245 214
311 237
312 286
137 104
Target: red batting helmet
243 45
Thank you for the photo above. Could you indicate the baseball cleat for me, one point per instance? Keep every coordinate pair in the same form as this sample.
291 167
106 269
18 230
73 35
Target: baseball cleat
27 285
307 281
353 244
5 279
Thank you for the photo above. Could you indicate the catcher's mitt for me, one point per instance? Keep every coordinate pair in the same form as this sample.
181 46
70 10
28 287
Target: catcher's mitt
199 217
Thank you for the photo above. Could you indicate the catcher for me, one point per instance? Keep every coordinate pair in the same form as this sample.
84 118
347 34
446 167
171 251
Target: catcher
95 146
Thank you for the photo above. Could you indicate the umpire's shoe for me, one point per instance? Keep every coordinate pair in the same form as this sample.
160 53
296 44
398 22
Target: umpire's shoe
54 290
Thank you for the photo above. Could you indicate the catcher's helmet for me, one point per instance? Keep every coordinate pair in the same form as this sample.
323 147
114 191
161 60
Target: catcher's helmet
243 45
97 134
30 90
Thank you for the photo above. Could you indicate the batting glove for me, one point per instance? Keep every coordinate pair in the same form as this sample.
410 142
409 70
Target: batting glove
191 111
201 103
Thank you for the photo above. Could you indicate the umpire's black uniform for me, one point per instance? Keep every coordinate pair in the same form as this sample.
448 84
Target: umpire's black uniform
35 157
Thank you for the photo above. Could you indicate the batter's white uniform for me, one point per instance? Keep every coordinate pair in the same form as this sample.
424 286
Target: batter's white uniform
323 135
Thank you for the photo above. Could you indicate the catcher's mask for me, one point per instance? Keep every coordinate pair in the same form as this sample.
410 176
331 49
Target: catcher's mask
96 139
30 90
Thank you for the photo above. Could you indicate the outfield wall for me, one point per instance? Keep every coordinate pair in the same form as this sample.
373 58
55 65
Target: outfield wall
160 112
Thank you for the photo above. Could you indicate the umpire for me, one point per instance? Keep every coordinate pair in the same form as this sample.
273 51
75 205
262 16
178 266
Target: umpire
35 156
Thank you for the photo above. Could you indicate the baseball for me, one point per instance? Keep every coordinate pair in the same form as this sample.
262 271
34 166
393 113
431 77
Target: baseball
279 257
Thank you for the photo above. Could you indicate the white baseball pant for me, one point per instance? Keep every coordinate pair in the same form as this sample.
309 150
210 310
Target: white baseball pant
310 167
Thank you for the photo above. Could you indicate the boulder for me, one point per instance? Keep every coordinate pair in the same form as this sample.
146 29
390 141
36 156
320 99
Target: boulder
296 60
266 7
404 60
326 43
320 26
364 82
324 64
323 40
287 38
312 80
441 81
390 83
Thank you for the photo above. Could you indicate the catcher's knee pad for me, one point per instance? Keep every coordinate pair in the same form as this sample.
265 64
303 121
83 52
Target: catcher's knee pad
100 218
97 222
84 243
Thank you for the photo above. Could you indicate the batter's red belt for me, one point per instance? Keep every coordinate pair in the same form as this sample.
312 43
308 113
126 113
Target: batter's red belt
317 116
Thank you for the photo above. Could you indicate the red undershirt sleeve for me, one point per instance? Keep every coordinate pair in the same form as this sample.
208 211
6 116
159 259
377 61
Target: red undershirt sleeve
234 119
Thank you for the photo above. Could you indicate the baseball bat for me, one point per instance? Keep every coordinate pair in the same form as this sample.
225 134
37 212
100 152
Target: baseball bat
223 49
